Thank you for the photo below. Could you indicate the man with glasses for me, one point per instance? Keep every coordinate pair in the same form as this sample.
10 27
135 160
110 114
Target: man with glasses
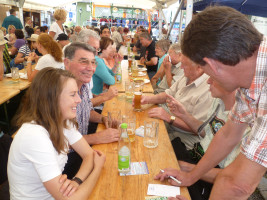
93 39
80 61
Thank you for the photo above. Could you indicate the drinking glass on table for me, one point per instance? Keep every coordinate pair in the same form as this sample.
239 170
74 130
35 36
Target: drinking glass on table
114 119
138 90
129 90
130 120
15 74
151 130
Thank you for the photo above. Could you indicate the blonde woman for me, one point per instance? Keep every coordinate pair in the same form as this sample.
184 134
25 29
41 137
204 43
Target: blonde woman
52 55
57 27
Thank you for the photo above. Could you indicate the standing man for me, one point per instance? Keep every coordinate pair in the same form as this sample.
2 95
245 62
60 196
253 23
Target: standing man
229 49
12 20
150 59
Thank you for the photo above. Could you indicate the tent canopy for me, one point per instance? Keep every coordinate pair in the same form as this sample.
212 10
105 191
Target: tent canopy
249 7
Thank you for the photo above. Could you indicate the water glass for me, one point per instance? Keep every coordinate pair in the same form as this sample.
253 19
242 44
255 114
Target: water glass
15 74
151 129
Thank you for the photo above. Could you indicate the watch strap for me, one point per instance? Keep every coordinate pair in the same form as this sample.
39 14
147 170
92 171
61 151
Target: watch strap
77 180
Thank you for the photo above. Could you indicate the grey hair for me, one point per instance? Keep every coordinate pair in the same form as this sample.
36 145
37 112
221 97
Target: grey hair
164 45
87 34
120 29
176 47
114 27
70 50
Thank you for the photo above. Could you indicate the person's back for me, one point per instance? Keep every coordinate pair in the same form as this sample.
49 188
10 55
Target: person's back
12 20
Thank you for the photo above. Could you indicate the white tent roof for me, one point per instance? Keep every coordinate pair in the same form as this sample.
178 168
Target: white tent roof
145 4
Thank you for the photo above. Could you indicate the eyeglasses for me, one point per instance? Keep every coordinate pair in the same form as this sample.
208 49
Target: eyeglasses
97 49
86 62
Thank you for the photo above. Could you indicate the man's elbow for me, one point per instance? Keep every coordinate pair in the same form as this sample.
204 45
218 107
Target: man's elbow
234 187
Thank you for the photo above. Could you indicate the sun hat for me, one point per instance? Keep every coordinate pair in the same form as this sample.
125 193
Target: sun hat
62 36
33 37
2 39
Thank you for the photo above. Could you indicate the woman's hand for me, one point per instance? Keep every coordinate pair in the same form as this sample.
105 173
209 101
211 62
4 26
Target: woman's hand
68 187
118 58
99 159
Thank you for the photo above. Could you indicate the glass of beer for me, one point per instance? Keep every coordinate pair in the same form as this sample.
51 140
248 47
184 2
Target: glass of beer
130 62
138 89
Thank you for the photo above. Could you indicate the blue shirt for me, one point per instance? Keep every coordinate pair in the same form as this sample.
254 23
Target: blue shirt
12 20
159 63
102 75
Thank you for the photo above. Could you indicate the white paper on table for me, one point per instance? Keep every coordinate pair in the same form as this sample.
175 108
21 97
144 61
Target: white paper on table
140 131
137 168
163 190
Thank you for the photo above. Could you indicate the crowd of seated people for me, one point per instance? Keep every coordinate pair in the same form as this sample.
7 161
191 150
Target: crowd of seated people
186 96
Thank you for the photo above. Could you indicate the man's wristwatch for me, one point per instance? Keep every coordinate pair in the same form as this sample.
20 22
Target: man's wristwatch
172 119
77 180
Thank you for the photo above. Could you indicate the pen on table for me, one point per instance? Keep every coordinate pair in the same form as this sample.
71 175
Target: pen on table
177 181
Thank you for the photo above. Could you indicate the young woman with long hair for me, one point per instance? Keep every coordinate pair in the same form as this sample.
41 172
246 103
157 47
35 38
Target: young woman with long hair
39 150
52 55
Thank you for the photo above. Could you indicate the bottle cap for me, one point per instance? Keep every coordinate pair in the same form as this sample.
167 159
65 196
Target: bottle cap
124 125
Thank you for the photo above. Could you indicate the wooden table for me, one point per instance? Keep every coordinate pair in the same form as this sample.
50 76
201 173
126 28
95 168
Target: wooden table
110 185
8 83
6 94
125 77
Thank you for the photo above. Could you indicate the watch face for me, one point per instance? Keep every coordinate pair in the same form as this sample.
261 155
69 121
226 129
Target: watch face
173 118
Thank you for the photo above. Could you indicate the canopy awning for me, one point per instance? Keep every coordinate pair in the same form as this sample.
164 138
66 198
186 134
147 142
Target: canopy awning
249 7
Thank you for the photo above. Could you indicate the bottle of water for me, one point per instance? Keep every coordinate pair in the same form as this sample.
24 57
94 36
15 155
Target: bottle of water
124 151
118 74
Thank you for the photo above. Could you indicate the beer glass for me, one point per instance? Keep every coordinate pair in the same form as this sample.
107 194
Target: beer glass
151 130
138 89
15 74
129 90
114 119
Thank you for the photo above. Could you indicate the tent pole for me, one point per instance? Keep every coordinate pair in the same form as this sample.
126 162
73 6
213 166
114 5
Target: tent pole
174 19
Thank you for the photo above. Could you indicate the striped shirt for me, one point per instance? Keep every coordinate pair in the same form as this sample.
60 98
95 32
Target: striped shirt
251 108
25 50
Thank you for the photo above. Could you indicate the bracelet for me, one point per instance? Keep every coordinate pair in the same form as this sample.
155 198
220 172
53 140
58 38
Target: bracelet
29 62
77 180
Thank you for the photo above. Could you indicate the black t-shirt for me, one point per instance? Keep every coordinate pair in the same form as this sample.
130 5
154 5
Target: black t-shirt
150 53
141 49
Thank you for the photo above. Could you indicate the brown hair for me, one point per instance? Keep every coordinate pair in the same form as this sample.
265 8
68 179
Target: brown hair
145 35
51 46
41 104
105 42
220 33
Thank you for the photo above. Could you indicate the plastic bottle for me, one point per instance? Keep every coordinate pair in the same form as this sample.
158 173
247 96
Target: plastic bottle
118 74
124 151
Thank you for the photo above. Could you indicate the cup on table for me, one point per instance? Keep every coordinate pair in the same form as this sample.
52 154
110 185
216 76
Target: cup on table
130 120
129 90
129 62
114 119
15 74
135 71
151 131
138 90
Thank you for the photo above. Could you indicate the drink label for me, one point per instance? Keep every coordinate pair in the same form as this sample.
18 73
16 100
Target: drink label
124 162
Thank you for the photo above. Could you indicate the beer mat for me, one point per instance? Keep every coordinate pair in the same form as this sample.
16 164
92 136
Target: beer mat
137 168
163 190
156 198
140 131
